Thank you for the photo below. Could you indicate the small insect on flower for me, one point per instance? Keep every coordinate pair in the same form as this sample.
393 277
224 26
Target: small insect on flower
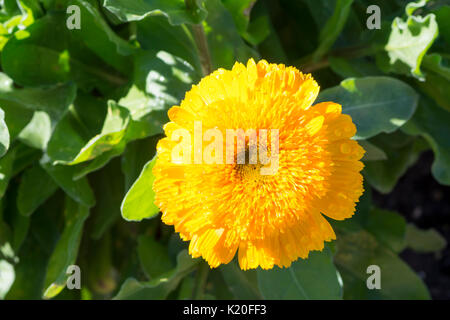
228 195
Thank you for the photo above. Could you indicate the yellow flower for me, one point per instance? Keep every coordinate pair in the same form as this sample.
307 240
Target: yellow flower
269 219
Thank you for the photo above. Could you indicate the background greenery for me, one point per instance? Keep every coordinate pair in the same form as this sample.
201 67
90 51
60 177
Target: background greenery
82 110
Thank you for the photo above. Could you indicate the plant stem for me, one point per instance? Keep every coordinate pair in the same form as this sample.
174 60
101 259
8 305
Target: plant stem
200 280
201 43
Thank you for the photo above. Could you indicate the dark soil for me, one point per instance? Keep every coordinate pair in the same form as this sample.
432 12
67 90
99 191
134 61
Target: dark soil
426 203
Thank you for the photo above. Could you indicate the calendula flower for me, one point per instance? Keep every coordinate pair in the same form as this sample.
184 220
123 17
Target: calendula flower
267 218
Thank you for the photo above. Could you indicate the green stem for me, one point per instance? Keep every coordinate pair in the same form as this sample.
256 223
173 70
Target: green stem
200 280
201 42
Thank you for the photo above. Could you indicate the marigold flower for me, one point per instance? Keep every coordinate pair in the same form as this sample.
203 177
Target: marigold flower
268 219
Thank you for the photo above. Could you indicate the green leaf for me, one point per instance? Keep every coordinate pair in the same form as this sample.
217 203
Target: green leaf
373 153
409 41
35 188
161 81
44 107
33 257
376 104
176 40
53 100
112 133
358 250
242 284
424 241
333 27
35 56
6 170
82 122
153 256
7 276
96 34
384 174
47 53
161 287
108 185
388 227
437 80
443 20
66 250
138 203
254 31
175 10
431 122
313 278
38 131
136 155
78 190
225 44
4 134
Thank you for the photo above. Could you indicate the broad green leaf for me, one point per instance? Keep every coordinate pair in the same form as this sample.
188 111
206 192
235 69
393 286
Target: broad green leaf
242 284
161 80
6 170
38 131
153 256
7 259
66 250
54 100
15 117
388 227
47 53
271 48
409 41
175 10
376 104
136 155
35 188
36 55
358 250
313 278
83 121
373 153
138 203
33 257
42 107
187 286
158 288
384 173
333 27
7 276
108 186
253 31
437 80
25 156
225 44
432 123
112 133
424 241
443 19
4 134
96 34
176 40
79 190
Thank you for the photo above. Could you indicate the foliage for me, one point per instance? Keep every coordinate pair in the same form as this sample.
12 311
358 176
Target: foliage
81 112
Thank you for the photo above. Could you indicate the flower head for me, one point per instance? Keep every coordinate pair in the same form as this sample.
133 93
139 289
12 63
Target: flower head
223 207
